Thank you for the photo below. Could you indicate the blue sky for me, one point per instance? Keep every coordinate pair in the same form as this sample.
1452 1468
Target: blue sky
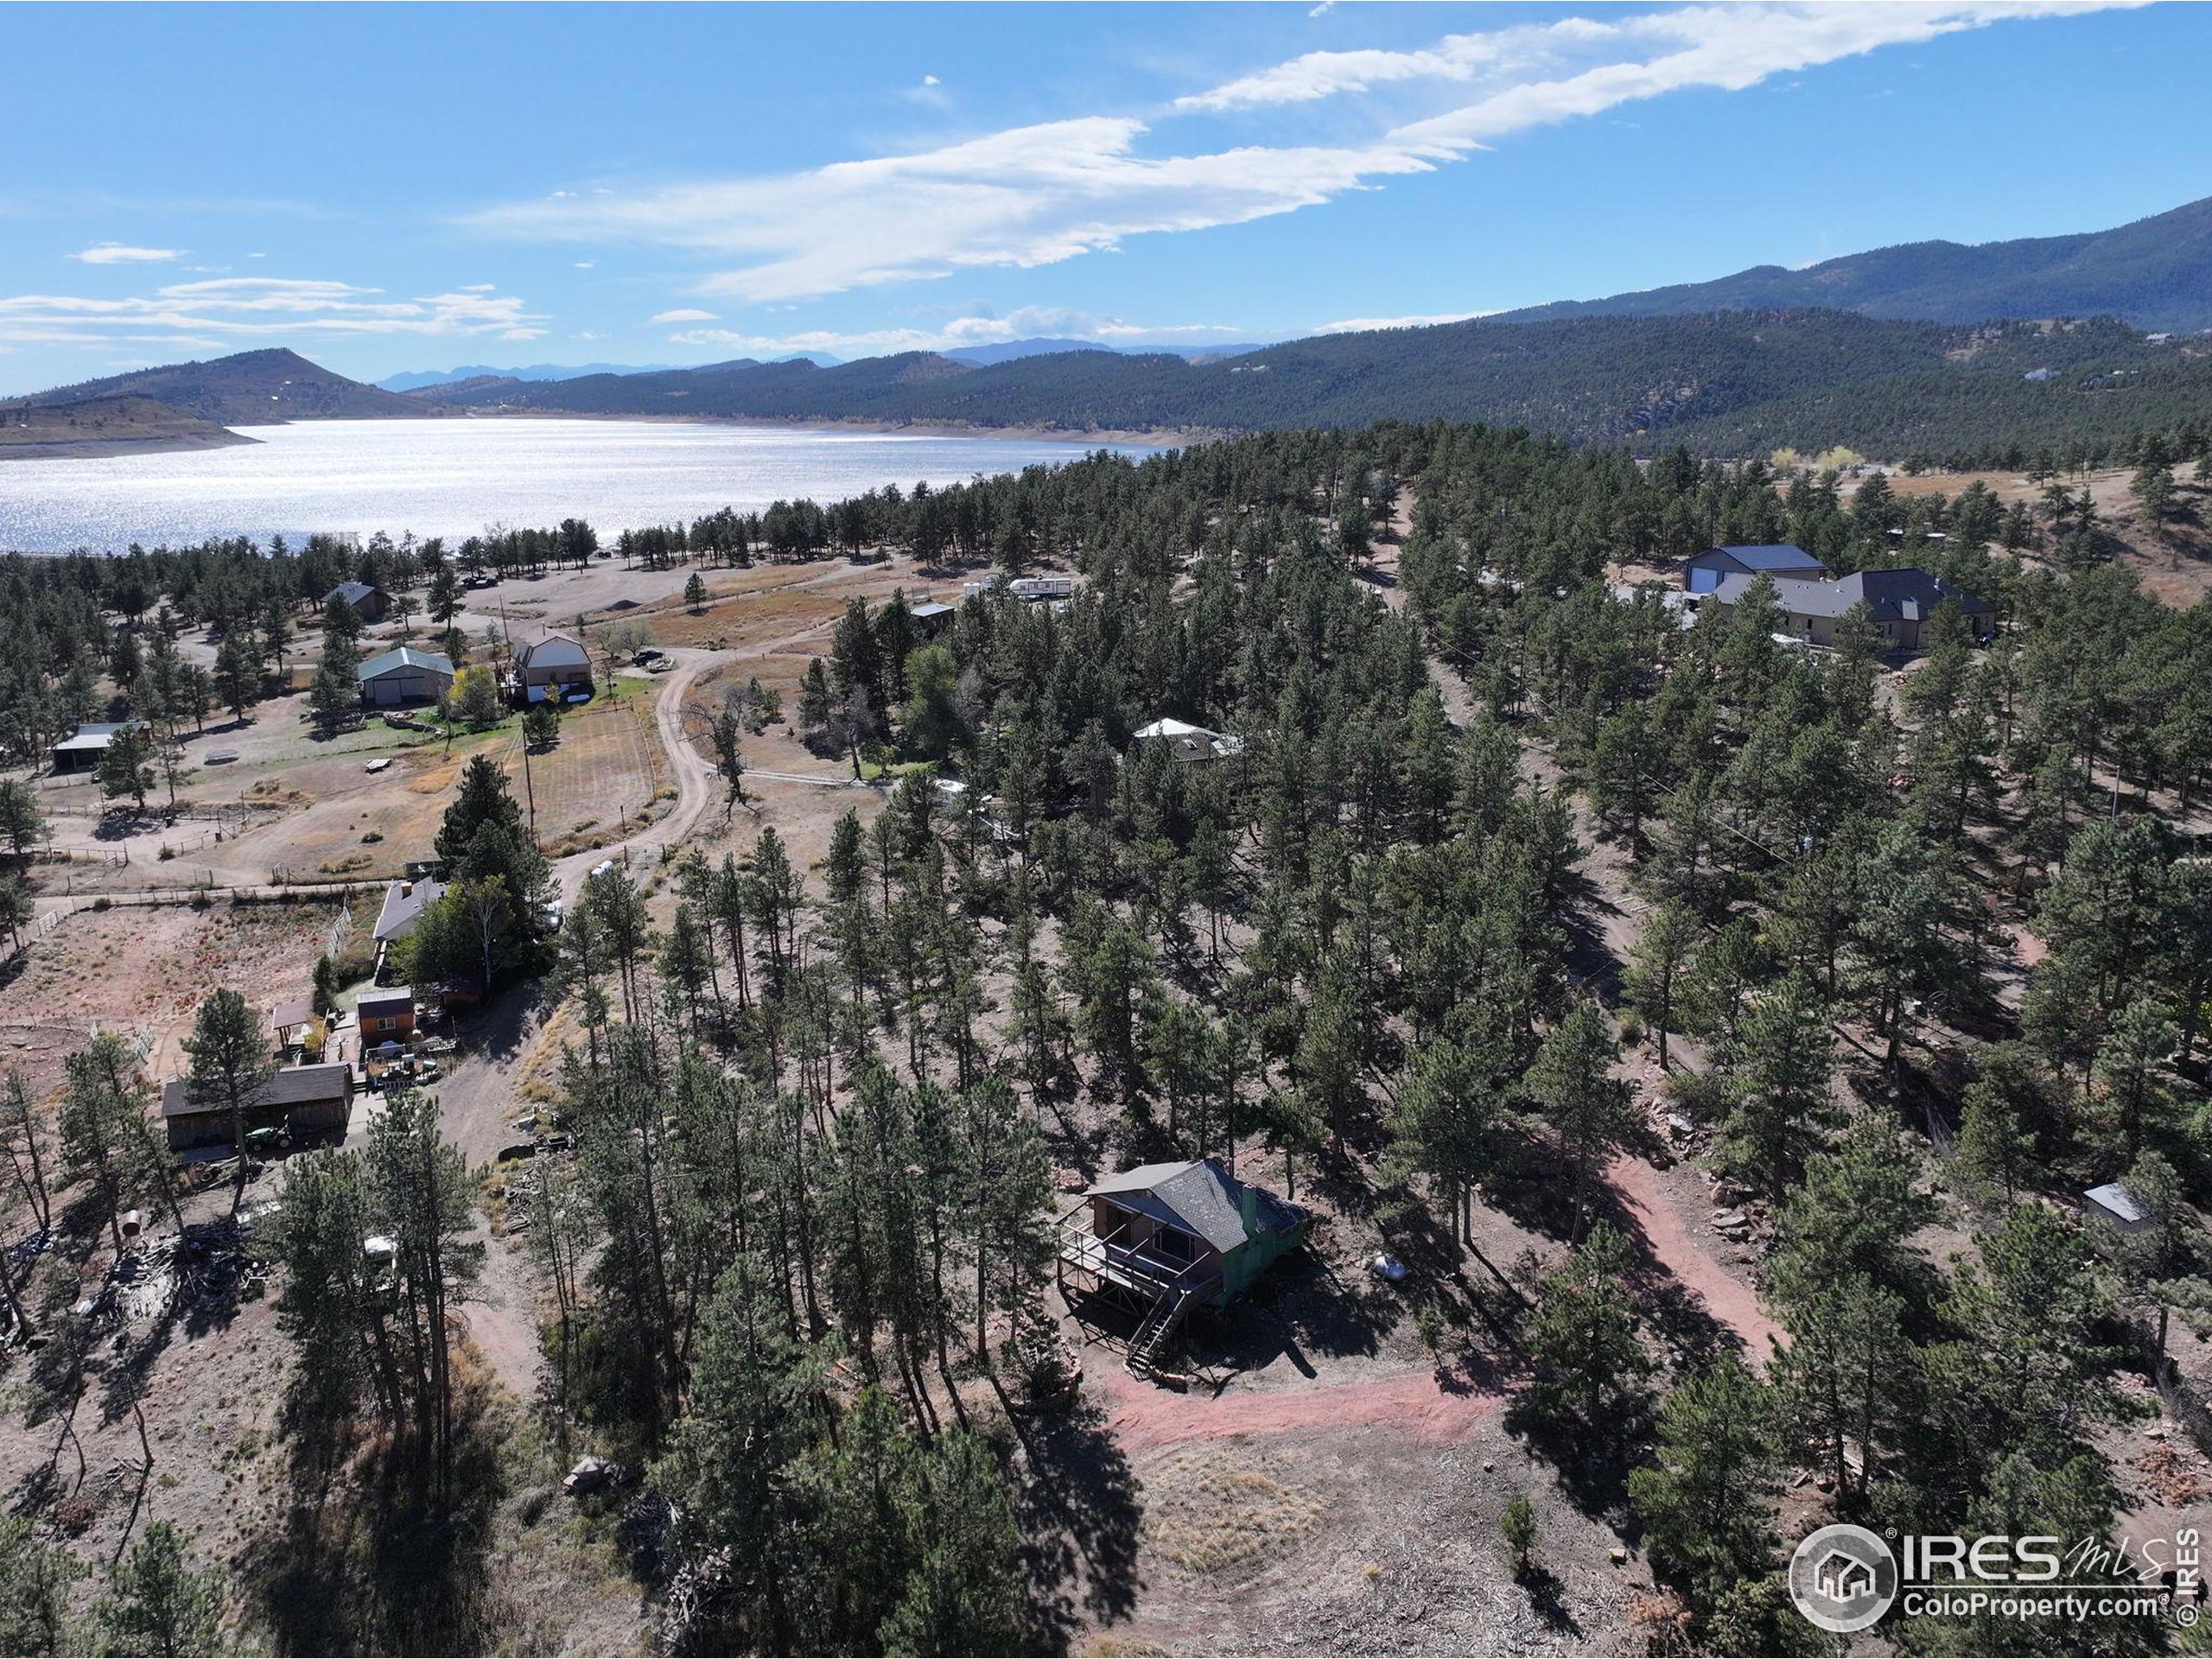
396 187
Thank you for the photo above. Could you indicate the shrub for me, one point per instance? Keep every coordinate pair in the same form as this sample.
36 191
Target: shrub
1518 1526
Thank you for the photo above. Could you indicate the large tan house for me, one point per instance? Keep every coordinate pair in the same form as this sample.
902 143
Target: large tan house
549 667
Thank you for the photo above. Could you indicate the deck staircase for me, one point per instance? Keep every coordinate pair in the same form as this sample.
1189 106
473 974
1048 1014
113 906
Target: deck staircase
1160 1325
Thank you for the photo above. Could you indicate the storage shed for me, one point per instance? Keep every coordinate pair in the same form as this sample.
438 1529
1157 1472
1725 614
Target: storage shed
305 1100
395 678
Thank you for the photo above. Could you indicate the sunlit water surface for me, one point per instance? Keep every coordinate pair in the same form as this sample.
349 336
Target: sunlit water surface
453 478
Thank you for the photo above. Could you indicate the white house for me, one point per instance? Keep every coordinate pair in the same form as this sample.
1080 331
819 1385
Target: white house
1189 742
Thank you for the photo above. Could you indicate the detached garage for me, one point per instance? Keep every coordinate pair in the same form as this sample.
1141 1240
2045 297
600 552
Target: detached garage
404 675
307 1099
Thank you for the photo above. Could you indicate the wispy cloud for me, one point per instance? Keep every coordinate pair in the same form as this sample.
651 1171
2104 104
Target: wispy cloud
685 313
1026 197
1035 196
118 253
209 315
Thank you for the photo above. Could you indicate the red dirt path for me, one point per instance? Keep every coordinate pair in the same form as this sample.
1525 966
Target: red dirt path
1147 1417
1726 1297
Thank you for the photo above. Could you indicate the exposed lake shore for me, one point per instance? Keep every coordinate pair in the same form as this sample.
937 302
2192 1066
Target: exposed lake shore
1166 437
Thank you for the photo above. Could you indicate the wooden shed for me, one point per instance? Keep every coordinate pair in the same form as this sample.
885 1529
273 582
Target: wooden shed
305 1100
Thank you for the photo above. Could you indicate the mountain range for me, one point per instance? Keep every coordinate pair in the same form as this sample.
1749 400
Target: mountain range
1933 349
417 380
2155 273
475 376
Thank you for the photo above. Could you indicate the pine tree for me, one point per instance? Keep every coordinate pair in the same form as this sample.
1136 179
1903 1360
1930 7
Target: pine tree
158 1605
232 1066
1776 1083
1657 969
1572 1084
1705 1499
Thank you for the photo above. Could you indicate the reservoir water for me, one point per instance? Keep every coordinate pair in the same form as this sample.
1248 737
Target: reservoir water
452 478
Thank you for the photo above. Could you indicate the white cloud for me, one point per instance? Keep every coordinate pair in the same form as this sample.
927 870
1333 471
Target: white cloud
1028 196
932 80
686 314
585 265
1728 46
213 314
1035 196
117 254
1363 325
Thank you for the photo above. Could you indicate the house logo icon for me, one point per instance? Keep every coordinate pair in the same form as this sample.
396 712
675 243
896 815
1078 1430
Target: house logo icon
1843 1578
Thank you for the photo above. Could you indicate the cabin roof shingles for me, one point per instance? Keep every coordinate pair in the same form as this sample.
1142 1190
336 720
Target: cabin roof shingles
1200 1197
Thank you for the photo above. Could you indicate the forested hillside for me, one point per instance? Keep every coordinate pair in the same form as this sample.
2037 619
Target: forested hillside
246 389
1515 893
1733 383
2155 274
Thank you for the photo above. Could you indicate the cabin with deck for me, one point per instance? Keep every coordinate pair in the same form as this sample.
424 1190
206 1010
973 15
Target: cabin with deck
1164 1240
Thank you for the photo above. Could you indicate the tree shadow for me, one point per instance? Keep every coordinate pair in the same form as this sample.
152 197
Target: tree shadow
1591 1459
1081 1514
1301 1304
1547 1595
366 1557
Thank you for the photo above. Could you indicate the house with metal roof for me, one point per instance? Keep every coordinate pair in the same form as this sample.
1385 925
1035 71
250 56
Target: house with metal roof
1189 742
1783 561
82 752
1164 1239
369 604
551 668
1898 604
2117 1207
396 679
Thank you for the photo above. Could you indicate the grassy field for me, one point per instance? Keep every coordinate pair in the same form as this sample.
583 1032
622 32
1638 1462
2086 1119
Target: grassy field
608 767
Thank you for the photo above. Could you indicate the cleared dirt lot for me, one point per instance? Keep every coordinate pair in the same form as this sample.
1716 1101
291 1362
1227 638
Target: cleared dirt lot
142 971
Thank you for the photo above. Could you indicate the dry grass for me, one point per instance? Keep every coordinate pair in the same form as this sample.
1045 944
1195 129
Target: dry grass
1226 1510
597 784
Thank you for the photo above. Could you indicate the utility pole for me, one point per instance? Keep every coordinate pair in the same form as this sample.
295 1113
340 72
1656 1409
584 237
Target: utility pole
529 789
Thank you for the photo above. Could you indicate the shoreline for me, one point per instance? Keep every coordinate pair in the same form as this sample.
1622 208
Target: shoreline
1164 437
99 448
78 448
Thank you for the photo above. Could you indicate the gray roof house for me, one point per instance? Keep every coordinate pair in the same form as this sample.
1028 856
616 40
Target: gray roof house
404 675
403 904
1898 602
2117 1207
1781 560
368 603
549 666
82 752
1164 1238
